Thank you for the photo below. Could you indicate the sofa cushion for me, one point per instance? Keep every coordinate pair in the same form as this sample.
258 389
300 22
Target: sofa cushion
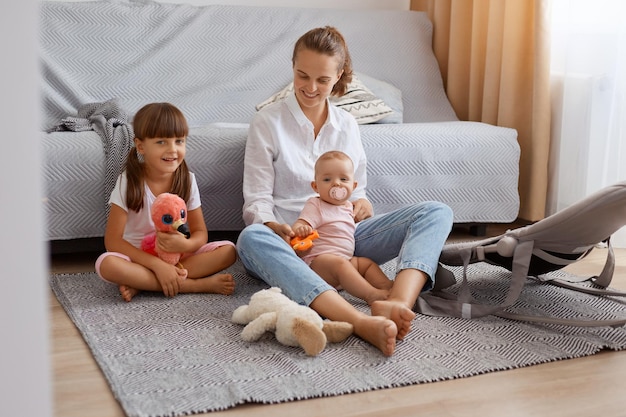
358 101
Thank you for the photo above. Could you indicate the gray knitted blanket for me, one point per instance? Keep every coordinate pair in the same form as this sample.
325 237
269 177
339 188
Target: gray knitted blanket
180 356
110 122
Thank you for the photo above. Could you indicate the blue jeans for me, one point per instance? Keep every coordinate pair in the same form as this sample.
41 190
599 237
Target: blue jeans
414 234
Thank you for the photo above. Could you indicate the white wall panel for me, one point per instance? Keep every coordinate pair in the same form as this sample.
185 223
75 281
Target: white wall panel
341 4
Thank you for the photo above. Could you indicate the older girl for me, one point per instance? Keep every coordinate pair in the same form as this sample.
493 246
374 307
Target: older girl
155 165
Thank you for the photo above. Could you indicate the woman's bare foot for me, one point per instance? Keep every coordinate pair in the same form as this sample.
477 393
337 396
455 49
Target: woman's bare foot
396 311
217 284
128 293
378 331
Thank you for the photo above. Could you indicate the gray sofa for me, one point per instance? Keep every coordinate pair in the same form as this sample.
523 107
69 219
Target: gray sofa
217 63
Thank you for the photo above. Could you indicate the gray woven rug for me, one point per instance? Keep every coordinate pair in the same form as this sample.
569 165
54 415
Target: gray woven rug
180 356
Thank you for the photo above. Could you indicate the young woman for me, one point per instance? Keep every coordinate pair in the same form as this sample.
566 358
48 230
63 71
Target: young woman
157 165
284 141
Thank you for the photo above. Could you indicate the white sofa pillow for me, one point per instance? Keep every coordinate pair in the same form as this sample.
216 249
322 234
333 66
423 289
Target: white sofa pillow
391 95
358 101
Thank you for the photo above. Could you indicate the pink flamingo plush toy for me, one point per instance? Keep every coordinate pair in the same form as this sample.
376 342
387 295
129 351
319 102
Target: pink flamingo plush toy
169 214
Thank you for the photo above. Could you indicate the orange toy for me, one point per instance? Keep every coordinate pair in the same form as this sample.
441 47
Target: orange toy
304 243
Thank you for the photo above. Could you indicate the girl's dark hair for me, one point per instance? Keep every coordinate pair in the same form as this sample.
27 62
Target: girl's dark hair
328 41
156 120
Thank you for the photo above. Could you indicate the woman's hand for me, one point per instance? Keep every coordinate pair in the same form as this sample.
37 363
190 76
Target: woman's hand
282 229
362 209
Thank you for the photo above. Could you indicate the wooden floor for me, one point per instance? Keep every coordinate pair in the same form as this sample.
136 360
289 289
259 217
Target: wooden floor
589 386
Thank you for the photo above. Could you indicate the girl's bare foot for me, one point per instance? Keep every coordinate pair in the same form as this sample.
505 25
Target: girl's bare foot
378 331
128 293
219 284
396 311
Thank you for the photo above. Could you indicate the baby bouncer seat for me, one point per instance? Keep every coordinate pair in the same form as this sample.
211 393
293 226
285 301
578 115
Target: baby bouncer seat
532 251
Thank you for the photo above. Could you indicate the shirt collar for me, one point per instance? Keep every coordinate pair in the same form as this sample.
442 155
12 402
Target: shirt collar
296 110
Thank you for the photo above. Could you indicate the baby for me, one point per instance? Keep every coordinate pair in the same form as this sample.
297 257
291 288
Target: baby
332 255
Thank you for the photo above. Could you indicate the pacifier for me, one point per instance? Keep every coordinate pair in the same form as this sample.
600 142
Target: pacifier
338 193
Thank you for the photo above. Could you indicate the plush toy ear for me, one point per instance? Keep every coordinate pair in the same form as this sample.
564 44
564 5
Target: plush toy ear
309 336
337 331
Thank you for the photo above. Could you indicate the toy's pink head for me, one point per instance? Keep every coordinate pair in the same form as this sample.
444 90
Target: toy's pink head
169 214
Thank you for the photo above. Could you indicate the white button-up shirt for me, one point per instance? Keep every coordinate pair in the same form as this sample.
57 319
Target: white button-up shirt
280 157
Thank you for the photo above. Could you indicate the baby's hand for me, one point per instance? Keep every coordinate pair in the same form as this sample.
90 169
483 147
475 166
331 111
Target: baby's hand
303 230
302 244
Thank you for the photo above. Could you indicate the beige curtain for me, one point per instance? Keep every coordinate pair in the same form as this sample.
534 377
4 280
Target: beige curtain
494 59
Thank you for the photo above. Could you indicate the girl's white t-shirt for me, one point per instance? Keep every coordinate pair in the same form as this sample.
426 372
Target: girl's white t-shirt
139 224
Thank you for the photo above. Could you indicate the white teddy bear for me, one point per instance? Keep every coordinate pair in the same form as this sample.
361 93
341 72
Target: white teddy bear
293 324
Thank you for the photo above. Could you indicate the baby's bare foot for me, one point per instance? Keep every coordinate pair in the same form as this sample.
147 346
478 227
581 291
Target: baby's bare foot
378 331
396 311
376 295
385 285
128 293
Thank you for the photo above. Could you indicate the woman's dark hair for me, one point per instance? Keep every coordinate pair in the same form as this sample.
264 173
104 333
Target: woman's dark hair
328 41
156 120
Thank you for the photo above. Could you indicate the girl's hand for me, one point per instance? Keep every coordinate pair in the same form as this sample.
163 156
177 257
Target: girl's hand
362 209
281 229
169 277
172 242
